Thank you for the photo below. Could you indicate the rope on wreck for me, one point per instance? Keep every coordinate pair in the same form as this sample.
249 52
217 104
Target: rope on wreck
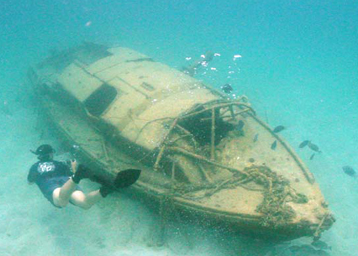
276 189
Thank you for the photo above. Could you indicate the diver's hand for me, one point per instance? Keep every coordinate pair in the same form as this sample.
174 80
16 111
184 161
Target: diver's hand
74 165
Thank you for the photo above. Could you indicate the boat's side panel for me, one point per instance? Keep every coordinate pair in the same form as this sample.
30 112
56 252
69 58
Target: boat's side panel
126 107
150 136
120 55
78 82
145 90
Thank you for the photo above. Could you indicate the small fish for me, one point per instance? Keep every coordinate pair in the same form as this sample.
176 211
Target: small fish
274 145
349 171
321 245
312 156
256 137
279 128
314 147
227 88
304 143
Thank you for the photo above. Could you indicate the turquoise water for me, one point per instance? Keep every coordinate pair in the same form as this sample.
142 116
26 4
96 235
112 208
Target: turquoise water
298 66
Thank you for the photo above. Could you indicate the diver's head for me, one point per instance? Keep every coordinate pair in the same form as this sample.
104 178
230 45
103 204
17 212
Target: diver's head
44 152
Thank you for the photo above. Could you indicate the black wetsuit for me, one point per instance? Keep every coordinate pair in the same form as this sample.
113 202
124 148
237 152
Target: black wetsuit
49 175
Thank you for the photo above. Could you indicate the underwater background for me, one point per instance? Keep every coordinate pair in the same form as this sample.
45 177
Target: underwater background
297 61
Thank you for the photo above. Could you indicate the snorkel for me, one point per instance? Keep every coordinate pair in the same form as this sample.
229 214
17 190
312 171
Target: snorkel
44 152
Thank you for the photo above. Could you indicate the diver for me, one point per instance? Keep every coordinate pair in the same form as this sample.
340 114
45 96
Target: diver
59 183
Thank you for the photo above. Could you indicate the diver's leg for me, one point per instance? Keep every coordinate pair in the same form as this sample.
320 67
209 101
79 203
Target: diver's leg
61 196
87 201
78 198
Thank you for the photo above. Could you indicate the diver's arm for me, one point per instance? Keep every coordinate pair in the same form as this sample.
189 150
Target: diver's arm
73 166
31 177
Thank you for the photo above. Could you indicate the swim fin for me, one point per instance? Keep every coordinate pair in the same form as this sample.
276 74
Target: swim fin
126 178
123 179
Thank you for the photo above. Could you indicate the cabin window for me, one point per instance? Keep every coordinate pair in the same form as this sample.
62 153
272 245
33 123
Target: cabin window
100 99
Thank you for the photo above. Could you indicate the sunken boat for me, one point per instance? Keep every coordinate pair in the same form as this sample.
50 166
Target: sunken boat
208 155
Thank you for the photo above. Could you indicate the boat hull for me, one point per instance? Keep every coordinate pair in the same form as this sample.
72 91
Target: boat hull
216 173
